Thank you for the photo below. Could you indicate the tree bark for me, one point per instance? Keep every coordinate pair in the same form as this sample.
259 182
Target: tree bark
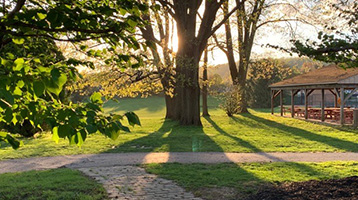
191 44
187 96
205 85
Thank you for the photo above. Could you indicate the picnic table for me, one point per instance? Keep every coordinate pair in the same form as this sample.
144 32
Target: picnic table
330 113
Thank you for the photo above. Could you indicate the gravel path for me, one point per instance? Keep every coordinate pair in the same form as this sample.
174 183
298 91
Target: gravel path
130 182
123 180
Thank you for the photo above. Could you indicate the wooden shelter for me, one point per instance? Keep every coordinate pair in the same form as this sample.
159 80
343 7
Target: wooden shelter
330 78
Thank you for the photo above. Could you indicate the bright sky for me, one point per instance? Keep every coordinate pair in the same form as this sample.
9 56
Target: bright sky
278 34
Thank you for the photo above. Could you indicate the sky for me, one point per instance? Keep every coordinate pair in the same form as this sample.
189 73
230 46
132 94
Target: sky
278 34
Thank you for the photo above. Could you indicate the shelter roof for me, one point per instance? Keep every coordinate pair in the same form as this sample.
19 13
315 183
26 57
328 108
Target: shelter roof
328 75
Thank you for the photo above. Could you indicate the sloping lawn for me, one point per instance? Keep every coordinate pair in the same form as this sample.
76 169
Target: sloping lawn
257 131
52 184
236 181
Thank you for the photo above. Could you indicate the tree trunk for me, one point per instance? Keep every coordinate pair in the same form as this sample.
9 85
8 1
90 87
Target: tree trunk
192 41
243 96
170 107
187 99
187 96
205 85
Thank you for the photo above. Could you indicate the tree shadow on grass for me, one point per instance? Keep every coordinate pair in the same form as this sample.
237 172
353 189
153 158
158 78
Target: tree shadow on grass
171 137
331 141
293 166
239 141
153 104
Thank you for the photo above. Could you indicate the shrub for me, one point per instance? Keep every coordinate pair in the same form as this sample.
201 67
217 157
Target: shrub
231 101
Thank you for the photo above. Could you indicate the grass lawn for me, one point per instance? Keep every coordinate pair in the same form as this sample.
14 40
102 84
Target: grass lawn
52 184
239 180
257 131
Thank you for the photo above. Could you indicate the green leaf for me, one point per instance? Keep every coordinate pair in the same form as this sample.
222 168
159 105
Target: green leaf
64 130
3 61
91 128
19 64
20 84
96 98
13 142
78 139
55 74
3 134
122 11
55 136
133 119
7 97
8 115
18 40
124 128
112 131
57 82
62 80
39 88
132 23
17 91
36 60
83 134
41 16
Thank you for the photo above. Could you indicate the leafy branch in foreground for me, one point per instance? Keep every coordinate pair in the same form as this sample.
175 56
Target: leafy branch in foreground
34 74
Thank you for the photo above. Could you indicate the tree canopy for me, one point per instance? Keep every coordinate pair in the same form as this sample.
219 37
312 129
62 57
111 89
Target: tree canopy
33 72
338 43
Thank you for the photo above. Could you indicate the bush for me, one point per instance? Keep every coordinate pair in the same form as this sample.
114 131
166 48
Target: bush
231 101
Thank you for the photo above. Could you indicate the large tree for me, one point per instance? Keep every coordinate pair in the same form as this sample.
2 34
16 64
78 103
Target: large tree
194 28
30 88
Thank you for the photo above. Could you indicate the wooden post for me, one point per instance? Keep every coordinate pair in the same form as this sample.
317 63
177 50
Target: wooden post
281 102
355 118
336 97
322 107
342 106
292 103
272 102
306 104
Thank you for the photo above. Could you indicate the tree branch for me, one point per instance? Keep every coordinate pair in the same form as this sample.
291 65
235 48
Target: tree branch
281 20
215 28
170 7
17 8
221 47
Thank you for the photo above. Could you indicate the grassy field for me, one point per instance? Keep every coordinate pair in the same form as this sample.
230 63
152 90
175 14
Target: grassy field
257 131
52 184
240 180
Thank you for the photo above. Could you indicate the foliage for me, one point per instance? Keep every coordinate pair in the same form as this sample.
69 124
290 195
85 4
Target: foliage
47 53
231 101
32 81
114 83
262 74
54 184
337 44
216 85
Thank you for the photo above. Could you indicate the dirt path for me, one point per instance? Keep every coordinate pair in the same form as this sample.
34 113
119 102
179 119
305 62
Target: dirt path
125 159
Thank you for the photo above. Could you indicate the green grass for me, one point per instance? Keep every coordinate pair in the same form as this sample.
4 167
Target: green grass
247 178
64 184
258 131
